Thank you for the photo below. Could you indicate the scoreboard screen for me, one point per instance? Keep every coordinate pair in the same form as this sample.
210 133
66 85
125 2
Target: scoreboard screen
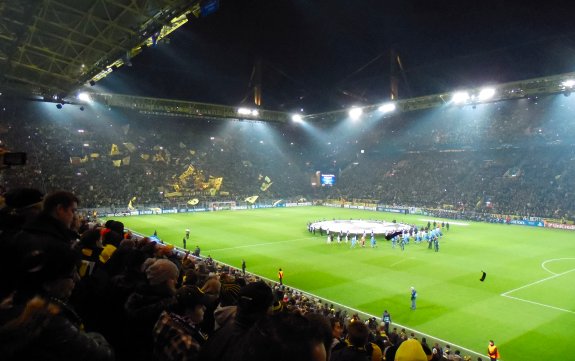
327 180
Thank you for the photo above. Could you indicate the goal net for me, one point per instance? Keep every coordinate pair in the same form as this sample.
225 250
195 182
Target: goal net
218 206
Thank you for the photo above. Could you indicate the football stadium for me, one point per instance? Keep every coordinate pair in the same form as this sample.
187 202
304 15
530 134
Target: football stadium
403 202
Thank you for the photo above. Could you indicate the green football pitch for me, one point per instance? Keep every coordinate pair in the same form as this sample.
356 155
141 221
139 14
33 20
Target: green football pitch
526 303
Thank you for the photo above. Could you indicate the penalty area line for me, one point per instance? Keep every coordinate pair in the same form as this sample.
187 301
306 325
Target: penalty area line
539 304
536 282
506 294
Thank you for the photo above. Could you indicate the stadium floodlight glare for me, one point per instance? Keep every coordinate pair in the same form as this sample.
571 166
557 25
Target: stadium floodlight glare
486 94
569 83
85 97
297 118
460 97
386 108
246 111
355 113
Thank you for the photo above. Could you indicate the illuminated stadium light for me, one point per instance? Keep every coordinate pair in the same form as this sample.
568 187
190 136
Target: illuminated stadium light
355 113
486 94
460 97
297 118
85 97
386 108
569 83
247 111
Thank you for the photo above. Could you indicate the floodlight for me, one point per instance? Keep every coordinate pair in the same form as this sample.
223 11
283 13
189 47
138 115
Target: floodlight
355 113
255 112
569 83
386 108
244 111
85 97
297 118
486 94
460 97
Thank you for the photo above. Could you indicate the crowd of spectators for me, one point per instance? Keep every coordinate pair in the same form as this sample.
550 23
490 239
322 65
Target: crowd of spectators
514 157
73 289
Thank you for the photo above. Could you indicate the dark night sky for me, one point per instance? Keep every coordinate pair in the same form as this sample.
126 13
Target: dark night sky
327 54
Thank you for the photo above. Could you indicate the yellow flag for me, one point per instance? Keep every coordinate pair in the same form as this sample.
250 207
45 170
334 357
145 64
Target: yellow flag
117 163
265 186
126 160
252 199
114 150
193 202
130 205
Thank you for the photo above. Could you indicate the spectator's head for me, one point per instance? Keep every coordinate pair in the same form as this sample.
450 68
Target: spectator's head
61 205
336 327
47 268
162 272
191 303
90 239
229 294
21 205
410 350
21 200
357 334
116 226
255 298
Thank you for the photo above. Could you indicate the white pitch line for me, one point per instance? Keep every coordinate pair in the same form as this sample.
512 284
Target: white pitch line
259 244
539 304
553 260
536 282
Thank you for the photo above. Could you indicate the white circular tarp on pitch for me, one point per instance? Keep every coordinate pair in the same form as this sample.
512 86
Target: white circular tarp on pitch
359 226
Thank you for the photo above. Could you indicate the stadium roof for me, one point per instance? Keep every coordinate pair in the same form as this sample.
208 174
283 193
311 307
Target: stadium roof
50 47
315 57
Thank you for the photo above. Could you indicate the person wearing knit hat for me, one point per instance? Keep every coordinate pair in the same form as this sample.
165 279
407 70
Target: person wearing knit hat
177 335
145 305
410 350
162 271
226 311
